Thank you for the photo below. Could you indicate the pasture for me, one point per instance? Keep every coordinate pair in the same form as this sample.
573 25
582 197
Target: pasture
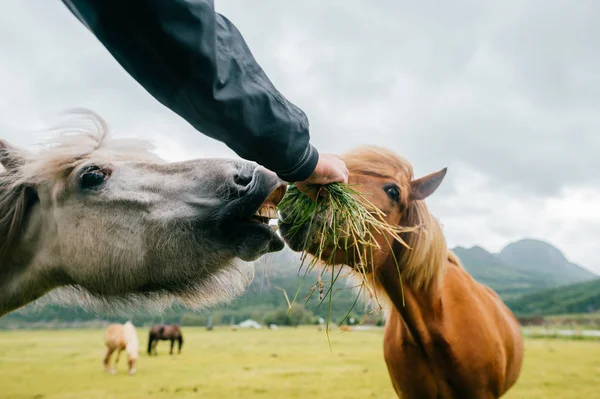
284 363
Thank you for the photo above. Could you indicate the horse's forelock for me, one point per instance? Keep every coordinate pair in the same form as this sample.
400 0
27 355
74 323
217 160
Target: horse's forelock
377 161
81 138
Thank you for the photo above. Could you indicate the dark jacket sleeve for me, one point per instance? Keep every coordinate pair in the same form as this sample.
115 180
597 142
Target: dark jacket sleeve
195 62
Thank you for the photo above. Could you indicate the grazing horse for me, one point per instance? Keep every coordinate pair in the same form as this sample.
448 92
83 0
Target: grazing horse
119 337
446 335
113 224
163 332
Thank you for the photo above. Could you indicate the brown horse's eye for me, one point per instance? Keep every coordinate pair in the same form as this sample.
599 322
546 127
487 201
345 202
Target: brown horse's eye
92 177
393 192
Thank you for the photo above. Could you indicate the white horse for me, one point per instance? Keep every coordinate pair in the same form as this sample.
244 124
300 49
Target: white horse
121 337
107 220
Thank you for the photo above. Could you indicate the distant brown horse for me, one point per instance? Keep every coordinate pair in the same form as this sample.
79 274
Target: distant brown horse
446 335
162 332
119 337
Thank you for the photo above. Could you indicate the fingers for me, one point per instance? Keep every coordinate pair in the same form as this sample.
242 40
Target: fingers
346 174
310 190
331 168
338 170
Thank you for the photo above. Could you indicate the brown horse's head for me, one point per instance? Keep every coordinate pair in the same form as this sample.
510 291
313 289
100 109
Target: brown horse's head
387 181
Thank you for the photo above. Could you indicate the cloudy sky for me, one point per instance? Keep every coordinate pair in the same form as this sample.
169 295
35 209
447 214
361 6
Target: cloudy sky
505 94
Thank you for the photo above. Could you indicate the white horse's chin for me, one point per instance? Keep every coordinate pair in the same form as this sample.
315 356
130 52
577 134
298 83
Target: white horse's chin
219 288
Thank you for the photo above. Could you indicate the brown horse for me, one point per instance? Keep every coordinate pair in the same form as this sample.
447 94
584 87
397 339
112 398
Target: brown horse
446 335
165 333
119 337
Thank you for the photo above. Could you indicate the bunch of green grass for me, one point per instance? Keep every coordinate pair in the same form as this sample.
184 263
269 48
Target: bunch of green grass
348 223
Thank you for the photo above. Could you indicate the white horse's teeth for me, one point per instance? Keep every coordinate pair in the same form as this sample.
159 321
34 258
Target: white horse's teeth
273 213
267 212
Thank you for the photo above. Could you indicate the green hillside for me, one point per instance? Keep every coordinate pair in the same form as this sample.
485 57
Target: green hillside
488 269
575 298
522 267
541 259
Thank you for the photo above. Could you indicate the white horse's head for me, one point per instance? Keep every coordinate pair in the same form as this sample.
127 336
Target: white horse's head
111 220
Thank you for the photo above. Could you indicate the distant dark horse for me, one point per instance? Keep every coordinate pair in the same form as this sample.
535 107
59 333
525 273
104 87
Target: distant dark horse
165 333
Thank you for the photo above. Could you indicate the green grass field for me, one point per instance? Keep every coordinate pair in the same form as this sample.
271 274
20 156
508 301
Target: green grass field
286 363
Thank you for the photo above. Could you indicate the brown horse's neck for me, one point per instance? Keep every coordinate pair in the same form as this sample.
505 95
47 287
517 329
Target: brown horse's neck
420 309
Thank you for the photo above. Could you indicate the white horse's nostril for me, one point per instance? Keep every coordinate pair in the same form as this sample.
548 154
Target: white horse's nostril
243 178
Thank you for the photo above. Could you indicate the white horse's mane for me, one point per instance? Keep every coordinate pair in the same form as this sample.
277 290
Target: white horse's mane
80 138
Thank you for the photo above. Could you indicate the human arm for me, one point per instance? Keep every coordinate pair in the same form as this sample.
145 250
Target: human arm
195 62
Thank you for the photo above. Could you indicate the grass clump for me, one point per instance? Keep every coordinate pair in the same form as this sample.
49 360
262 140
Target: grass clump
341 220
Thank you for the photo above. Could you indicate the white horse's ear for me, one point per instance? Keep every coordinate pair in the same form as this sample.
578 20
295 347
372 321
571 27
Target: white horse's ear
11 157
425 186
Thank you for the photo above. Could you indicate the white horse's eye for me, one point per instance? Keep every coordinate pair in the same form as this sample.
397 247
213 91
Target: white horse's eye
92 177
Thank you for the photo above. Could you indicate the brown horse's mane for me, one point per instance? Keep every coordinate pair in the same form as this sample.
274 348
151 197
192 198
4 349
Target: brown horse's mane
77 141
425 261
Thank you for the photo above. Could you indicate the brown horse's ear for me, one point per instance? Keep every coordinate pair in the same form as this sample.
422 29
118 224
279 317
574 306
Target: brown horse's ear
10 157
425 186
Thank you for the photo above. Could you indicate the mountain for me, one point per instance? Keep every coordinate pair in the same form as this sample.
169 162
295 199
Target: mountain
574 298
521 267
543 259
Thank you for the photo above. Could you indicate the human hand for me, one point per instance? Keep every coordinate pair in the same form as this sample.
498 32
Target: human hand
330 168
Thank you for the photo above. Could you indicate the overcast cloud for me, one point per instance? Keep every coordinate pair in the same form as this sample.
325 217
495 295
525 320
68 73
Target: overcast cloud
505 94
